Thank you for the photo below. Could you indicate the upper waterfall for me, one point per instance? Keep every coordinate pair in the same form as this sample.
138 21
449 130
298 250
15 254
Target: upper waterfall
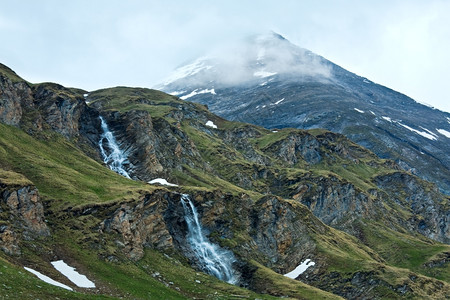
112 155
213 259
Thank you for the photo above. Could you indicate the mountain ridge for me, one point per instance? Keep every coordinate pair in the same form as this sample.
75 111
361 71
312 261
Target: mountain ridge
390 124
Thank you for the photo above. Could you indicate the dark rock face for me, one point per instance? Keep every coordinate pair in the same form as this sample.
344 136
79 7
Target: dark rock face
25 217
296 145
65 112
48 106
140 225
12 97
270 230
431 217
335 202
154 149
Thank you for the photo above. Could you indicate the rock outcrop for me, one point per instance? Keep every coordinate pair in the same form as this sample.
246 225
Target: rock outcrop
22 210
154 148
428 216
47 106
140 224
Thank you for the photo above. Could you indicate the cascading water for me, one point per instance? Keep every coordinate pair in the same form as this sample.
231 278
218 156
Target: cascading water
112 155
213 259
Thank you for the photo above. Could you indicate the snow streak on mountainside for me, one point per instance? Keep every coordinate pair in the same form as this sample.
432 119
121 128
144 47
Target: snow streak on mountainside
270 82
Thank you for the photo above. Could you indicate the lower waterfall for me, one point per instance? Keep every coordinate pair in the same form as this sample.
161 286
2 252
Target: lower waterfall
213 259
112 155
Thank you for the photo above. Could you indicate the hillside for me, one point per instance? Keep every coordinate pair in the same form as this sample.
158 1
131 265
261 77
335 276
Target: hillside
273 198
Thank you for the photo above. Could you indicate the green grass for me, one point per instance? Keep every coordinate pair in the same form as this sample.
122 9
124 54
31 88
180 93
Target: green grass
4 70
277 284
61 171
17 283
407 251
13 179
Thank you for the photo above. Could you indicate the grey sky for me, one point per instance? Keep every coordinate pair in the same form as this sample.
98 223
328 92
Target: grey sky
93 44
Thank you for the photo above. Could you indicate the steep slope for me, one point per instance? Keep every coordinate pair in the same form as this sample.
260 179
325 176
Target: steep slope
275 84
248 185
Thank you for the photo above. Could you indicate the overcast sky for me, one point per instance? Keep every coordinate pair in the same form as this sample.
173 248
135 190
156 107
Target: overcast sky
93 44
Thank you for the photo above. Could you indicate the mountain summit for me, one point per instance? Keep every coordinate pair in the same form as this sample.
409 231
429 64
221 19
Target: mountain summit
254 59
269 81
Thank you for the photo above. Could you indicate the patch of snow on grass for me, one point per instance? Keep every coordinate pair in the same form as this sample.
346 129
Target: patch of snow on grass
48 279
300 269
162 182
448 120
194 92
372 113
68 271
211 124
444 132
387 119
422 133
358 110
264 74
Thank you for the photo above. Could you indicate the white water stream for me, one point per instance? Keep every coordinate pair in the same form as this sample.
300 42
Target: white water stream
213 259
112 155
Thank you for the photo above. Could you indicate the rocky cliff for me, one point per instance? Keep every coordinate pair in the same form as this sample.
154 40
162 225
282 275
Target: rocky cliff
22 212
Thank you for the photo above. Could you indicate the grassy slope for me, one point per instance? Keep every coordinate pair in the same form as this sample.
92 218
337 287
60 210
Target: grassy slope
67 178
61 172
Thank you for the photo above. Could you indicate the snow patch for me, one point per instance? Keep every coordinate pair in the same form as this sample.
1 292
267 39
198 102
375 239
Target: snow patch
300 269
211 124
429 131
176 93
448 120
162 182
358 110
68 271
278 102
194 92
387 119
85 95
366 81
264 74
189 70
372 113
444 132
422 133
48 279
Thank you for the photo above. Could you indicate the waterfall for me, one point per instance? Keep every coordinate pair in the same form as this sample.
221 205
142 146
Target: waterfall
112 155
213 259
